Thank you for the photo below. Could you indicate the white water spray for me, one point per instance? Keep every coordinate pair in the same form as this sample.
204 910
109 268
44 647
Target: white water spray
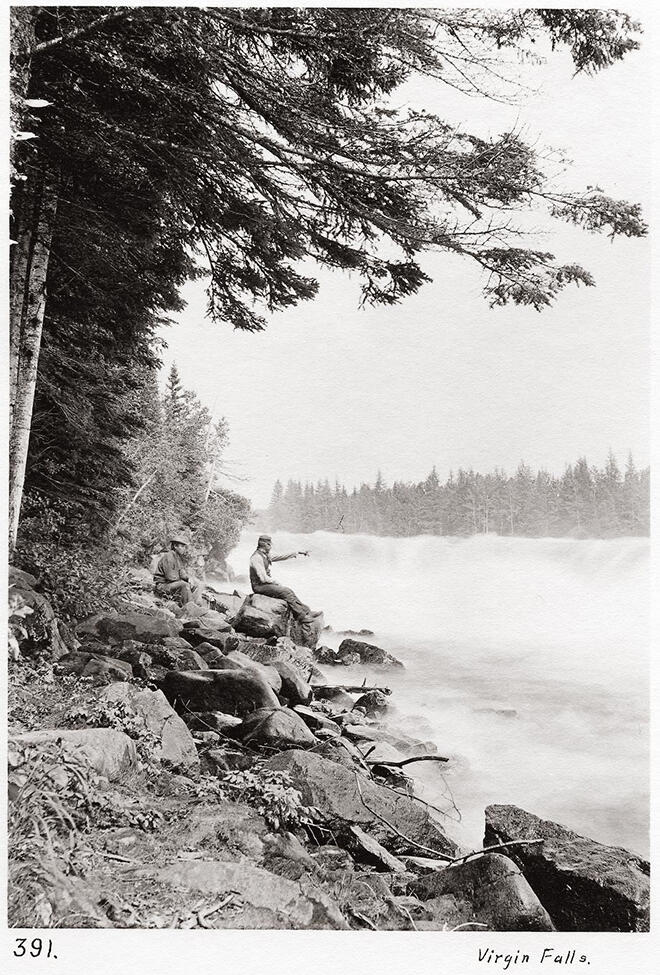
554 630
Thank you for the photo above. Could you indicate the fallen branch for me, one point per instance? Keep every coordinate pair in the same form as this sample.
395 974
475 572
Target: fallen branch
426 849
116 856
202 916
489 849
407 761
232 741
404 910
339 740
350 688
416 798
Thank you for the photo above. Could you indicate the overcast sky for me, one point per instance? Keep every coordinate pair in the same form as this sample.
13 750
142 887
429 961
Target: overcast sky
332 390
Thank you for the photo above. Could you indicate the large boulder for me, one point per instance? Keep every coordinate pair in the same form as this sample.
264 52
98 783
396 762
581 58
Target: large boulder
187 660
216 637
232 691
294 688
118 627
39 629
337 695
176 742
262 616
377 733
374 702
347 796
60 900
365 848
316 720
139 660
366 653
269 674
213 620
279 727
225 602
130 652
285 855
175 657
255 647
107 751
211 721
176 643
326 656
487 893
584 885
20 578
214 659
307 634
86 664
262 899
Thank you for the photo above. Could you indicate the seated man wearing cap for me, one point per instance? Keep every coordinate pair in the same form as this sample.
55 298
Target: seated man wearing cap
172 578
262 583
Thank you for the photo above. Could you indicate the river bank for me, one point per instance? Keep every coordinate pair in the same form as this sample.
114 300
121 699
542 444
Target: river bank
204 776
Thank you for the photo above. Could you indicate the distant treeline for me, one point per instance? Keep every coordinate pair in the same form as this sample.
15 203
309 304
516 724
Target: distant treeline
584 502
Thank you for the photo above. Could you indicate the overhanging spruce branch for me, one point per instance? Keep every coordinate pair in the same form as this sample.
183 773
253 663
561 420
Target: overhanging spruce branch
75 35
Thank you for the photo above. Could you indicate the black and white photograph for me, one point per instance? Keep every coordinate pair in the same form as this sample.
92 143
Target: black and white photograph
328 488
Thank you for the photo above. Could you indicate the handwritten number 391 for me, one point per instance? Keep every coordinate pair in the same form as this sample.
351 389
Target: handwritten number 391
35 948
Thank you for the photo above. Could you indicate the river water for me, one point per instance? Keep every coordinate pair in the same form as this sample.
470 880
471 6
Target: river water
526 663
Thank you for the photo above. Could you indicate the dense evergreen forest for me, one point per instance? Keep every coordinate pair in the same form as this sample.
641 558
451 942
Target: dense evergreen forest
584 503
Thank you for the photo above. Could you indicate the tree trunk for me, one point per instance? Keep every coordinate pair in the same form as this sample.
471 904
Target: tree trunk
26 215
22 23
26 343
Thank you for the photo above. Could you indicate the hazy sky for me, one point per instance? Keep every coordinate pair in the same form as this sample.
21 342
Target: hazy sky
332 390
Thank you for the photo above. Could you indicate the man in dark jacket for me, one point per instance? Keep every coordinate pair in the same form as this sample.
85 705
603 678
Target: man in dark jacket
262 583
172 578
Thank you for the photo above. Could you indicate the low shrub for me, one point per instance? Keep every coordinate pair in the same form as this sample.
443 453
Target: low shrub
115 714
272 794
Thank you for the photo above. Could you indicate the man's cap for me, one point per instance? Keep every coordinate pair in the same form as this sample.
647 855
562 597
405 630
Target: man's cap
180 537
264 538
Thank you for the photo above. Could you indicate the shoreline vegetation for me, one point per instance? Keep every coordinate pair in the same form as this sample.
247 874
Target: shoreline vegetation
212 769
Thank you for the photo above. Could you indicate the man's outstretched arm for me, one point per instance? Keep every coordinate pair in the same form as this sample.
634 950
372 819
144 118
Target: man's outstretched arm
283 558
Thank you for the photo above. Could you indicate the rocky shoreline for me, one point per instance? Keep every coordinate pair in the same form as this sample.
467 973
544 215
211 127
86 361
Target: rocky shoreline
227 783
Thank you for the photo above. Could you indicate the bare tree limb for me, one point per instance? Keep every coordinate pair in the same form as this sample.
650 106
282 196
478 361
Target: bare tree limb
488 849
419 846
407 761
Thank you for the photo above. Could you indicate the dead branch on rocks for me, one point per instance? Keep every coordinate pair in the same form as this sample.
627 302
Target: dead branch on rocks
416 798
404 910
203 916
232 741
489 849
419 846
116 856
350 688
339 741
408 761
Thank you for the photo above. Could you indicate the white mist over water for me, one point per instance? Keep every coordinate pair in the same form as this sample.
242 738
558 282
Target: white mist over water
553 629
